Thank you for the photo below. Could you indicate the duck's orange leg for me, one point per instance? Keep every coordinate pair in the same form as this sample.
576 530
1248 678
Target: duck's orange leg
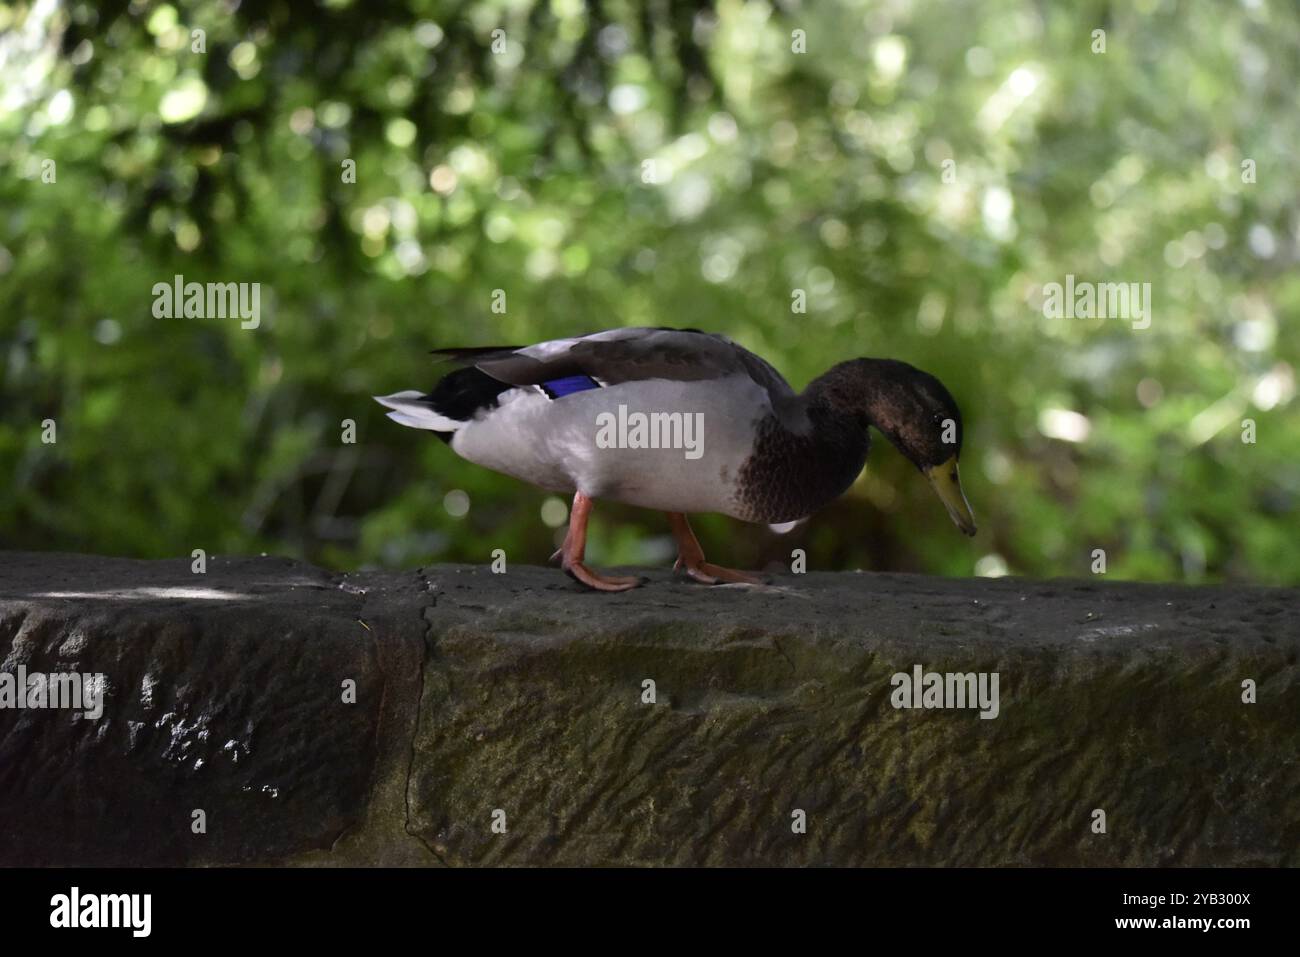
691 557
575 547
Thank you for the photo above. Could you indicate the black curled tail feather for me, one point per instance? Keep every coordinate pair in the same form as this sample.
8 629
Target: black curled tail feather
464 393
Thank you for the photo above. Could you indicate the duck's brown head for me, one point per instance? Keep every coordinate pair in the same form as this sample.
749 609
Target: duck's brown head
915 412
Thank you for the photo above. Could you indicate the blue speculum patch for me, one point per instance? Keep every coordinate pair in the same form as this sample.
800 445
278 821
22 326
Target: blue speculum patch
558 388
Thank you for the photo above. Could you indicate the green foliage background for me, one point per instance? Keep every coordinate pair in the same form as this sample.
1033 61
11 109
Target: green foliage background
772 170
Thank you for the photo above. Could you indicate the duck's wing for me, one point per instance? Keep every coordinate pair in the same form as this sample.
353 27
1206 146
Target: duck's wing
625 355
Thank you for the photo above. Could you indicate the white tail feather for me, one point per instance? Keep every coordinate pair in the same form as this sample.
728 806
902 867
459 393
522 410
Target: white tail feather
410 411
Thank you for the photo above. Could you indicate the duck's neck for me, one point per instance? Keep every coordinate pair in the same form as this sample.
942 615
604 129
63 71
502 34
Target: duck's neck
857 391
808 455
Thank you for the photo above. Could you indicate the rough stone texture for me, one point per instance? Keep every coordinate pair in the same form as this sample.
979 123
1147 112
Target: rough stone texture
521 692
223 694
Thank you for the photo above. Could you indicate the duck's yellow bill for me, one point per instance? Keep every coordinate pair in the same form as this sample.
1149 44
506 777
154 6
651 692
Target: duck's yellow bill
947 485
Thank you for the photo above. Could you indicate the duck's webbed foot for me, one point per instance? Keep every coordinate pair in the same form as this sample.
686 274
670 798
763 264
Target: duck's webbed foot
593 579
575 546
711 574
691 558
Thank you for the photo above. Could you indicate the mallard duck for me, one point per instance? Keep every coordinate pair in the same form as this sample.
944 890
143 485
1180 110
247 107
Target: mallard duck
682 421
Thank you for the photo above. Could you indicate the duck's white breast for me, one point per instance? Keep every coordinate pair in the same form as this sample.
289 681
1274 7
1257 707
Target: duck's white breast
565 444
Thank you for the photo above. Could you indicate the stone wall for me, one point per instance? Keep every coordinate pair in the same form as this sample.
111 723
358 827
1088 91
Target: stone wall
507 719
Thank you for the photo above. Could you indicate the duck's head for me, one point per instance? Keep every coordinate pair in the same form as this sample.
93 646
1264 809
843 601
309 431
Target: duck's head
917 414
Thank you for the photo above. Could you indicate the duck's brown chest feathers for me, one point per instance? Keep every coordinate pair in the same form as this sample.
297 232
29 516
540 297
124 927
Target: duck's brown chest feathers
790 475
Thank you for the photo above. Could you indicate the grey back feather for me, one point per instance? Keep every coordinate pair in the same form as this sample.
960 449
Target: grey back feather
629 355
